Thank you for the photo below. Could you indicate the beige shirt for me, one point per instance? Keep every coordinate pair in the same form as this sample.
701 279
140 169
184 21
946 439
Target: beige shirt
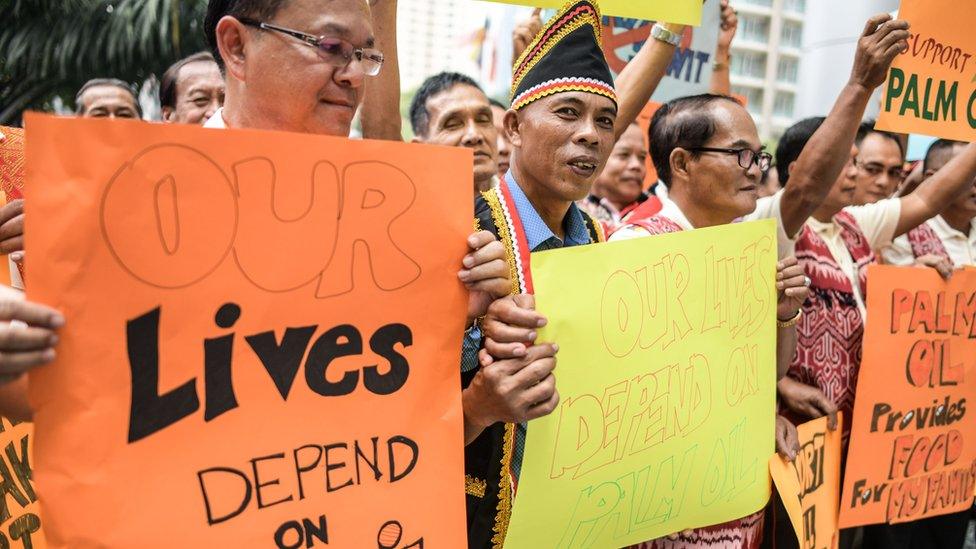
766 208
878 222
961 247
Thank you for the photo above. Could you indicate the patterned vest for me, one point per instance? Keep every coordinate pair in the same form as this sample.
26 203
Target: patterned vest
830 332
924 241
490 484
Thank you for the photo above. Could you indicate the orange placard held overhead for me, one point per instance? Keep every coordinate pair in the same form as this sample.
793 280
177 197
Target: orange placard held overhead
913 446
931 88
263 337
809 486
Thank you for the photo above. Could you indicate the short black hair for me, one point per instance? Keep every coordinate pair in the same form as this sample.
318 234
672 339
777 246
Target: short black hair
685 122
167 86
497 103
936 147
792 143
96 82
419 116
867 128
261 10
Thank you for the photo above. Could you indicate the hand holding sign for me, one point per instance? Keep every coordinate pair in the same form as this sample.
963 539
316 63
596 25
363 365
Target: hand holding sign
807 401
28 334
12 227
510 327
485 273
792 288
883 38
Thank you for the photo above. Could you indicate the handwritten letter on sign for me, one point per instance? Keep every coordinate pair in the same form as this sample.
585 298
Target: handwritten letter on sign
667 379
931 88
252 356
913 444
810 484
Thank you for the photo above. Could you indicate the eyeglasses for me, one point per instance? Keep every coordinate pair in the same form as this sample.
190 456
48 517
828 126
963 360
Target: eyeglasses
747 157
334 51
875 169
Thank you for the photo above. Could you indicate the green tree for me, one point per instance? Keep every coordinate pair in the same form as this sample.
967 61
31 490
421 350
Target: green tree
49 48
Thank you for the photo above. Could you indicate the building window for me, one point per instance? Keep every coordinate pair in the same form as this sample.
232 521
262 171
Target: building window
797 6
786 69
792 34
783 106
754 28
748 63
753 96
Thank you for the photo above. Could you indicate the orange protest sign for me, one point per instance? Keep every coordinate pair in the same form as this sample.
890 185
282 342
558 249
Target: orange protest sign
809 486
931 88
644 120
20 521
912 453
262 341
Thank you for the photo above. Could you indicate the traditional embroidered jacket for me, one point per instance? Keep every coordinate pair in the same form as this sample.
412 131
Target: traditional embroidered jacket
492 460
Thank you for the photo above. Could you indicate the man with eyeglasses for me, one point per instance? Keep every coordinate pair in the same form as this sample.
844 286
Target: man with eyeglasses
835 247
947 241
880 164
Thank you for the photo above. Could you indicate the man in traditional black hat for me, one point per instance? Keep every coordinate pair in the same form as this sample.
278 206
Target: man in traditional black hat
564 121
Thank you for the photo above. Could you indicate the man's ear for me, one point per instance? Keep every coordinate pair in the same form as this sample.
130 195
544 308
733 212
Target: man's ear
168 113
232 40
680 161
512 127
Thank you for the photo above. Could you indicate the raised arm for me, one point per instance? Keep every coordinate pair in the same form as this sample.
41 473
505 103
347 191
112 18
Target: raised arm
721 85
937 192
825 155
380 113
637 82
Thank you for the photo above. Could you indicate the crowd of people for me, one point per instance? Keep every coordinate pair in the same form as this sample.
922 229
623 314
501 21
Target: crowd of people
564 164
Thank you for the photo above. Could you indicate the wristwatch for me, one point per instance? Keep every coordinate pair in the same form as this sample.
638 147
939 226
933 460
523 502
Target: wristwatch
658 32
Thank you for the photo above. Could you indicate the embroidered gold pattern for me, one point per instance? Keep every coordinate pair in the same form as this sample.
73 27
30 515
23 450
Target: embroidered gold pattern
504 490
573 22
494 203
474 486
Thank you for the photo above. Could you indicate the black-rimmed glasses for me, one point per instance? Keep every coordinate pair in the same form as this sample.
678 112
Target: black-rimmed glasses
747 157
335 51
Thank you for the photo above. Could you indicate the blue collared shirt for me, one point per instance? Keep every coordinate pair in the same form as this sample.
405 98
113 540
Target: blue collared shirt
539 237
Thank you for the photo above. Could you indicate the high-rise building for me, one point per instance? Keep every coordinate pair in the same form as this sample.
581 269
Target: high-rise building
428 31
833 28
766 57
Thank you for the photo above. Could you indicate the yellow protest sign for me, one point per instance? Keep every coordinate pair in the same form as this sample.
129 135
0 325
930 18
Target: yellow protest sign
931 88
810 485
667 382
687 12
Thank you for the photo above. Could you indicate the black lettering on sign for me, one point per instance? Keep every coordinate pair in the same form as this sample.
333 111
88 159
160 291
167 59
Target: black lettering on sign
151 411
810 528
304 533
227 491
